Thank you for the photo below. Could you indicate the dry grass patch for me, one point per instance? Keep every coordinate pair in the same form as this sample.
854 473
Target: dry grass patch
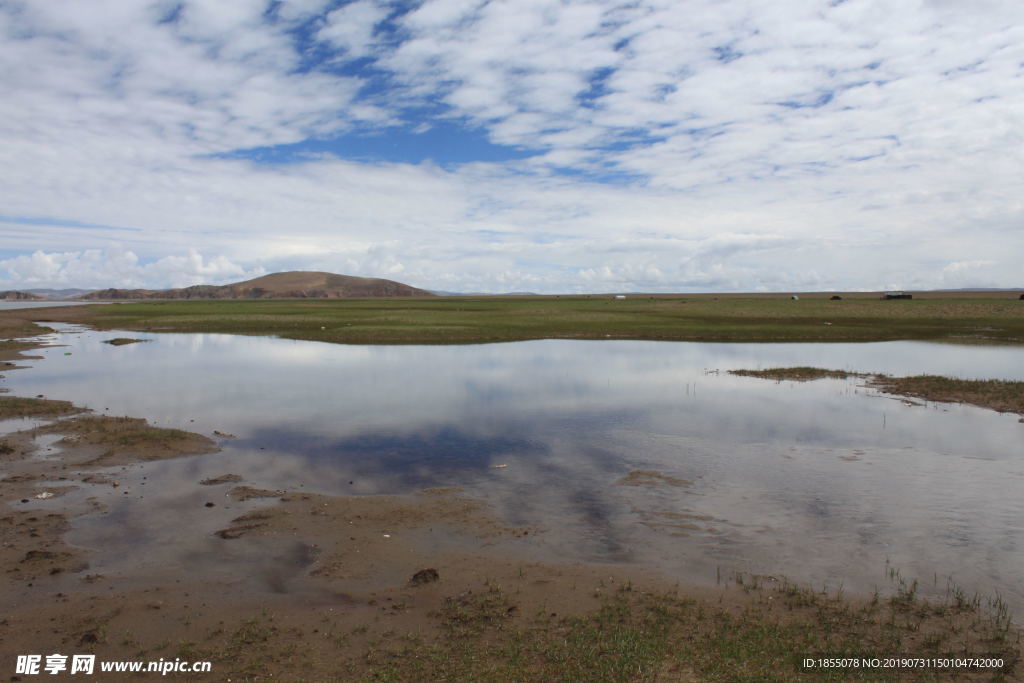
16 406
797 374
1000 395
1004 396
127 439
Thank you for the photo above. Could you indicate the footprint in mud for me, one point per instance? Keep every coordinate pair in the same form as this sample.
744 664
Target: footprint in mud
278 570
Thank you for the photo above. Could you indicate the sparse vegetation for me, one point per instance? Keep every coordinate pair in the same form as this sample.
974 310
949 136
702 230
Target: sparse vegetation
759 630
16 406
128 438
797 374
1001 395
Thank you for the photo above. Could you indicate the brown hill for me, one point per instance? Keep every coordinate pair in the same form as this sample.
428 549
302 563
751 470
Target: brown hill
292 285
13 295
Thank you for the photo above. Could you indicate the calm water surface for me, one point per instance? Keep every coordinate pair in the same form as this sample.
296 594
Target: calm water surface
823 481
11 305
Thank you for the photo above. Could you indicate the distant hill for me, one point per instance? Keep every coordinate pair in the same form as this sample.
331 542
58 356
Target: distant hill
58 293
291 285
13 295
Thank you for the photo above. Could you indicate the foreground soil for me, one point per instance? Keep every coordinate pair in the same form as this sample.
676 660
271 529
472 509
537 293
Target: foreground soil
423 587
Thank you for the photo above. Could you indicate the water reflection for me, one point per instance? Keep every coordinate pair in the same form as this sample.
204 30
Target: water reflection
823 481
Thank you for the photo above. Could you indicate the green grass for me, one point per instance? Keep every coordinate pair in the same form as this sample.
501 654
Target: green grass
492 319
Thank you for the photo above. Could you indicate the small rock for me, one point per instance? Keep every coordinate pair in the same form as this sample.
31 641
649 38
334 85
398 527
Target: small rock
424 576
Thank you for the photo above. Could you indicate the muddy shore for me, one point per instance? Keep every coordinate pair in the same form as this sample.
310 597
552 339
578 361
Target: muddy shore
368 566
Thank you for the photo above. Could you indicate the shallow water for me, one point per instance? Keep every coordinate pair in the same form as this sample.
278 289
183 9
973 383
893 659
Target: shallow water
823 481
11 305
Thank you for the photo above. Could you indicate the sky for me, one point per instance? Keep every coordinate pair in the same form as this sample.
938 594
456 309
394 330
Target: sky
551 146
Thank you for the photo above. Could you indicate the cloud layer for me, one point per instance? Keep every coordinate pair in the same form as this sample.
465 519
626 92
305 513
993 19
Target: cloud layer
658 145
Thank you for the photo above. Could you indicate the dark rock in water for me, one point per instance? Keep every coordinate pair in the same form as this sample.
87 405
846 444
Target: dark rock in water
222 479
424 576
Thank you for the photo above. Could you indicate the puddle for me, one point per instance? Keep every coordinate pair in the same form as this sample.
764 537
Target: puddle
824 481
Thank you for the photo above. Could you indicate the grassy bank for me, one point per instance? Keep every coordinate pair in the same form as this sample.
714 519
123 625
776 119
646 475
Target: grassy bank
999 395
492 319
1003 396
16 406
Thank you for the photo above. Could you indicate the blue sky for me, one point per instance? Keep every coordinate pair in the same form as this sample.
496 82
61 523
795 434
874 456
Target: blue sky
515 145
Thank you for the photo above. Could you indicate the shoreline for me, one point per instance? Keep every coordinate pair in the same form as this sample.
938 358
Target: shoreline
356 589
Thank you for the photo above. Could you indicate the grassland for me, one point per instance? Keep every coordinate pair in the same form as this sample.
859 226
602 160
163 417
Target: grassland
457 320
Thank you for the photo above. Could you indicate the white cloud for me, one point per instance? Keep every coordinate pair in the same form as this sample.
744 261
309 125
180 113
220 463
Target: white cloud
117 267
787 145
351 26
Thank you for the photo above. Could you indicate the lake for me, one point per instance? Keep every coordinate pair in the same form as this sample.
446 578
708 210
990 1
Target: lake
826 482
12 305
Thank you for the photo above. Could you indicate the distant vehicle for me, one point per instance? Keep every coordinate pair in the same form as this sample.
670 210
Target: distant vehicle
897 295
836 297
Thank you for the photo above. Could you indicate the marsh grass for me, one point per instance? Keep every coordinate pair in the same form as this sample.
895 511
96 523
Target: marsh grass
1000 395
454 320
124 432
1005 396
797 374
127 439
16 406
